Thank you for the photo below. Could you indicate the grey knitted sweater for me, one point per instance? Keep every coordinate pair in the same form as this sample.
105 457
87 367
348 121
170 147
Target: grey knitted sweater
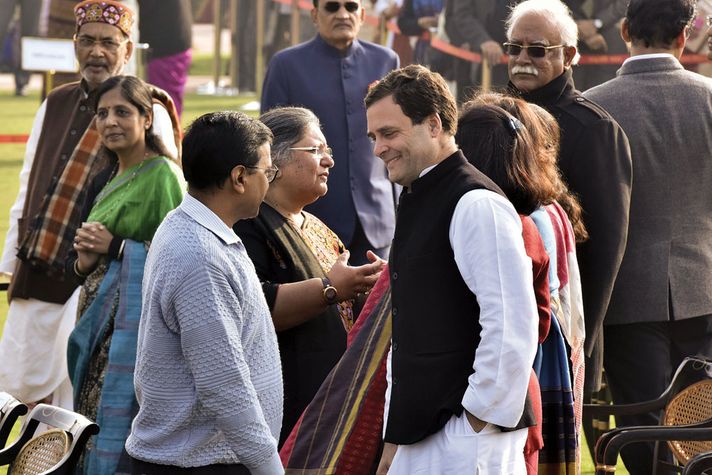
208 377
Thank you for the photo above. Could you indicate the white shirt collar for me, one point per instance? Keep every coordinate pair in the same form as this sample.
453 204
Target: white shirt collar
648 56
208 219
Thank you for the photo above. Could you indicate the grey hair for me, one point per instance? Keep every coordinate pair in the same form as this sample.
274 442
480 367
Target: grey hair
556 11
288 125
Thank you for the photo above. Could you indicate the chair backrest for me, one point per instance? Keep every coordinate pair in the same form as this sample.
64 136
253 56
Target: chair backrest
54 452
10 410
41 453
691 370
692 405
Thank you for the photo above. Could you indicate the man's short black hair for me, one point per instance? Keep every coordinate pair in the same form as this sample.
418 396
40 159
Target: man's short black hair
217 142
656 23
420 93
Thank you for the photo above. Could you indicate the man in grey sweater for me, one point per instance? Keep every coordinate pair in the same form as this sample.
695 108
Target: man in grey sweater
208 377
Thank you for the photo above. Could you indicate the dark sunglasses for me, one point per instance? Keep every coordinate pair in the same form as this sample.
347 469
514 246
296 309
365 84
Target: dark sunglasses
533 51
333 7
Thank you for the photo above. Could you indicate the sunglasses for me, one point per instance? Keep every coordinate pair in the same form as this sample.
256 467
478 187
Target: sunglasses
333 7
533 51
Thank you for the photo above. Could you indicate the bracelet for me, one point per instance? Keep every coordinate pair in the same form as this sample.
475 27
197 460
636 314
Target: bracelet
77 271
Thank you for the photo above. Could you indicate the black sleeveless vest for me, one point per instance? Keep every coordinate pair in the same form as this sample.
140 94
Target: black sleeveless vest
435 320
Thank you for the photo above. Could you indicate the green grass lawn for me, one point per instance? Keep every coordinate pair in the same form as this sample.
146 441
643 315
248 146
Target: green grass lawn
16 114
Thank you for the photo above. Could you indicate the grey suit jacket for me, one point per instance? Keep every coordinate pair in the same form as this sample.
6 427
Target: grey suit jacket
666 112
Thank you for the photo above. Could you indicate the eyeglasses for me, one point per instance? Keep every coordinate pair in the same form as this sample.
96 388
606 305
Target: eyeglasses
534 51
318 152
87 42
333 7
270 172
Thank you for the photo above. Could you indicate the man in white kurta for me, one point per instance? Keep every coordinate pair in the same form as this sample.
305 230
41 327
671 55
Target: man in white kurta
34 340
463 310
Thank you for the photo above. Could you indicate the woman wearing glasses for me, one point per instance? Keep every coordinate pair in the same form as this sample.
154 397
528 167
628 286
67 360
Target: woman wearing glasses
125 204
303 266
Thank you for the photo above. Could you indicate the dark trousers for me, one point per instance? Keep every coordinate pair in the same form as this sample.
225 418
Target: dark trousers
640 359
139 467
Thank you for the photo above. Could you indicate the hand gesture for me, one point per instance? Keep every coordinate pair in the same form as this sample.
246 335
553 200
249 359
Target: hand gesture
350 281
93 237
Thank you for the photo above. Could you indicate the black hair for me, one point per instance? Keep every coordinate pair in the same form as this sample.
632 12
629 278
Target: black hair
656 23
217 142
500 147
139 94
420 93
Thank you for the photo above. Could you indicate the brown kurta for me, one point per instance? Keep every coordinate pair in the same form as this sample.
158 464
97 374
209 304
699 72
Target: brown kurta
69 112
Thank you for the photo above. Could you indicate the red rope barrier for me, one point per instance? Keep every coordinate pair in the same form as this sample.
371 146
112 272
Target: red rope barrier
14 138
445 47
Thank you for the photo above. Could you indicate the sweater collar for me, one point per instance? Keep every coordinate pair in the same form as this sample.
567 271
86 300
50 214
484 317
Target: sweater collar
207 218
550 93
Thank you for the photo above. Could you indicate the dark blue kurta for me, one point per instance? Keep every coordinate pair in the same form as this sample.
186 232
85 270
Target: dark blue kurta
319 77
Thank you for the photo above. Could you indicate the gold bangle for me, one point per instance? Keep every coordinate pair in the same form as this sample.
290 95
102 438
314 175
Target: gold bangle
77 271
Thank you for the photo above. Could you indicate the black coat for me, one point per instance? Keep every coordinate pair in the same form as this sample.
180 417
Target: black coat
595 162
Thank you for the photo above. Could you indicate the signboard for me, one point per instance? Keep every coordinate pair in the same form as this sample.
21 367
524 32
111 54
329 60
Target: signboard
48 54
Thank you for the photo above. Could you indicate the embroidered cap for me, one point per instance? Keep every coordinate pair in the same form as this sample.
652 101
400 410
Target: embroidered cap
105 11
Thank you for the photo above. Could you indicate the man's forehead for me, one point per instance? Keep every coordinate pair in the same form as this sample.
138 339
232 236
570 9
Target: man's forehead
533 28
100 30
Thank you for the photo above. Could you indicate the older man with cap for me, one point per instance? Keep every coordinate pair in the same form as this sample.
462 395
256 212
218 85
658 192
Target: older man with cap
63 154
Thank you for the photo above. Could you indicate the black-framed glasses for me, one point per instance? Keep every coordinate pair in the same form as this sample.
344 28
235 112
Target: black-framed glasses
87 42
533 51
315 150
270 172
333 7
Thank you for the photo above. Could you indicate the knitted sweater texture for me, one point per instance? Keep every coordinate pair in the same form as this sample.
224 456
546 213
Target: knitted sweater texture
208 377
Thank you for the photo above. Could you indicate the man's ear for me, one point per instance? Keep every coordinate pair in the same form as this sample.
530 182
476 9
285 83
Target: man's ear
435 124
569 55
237 178
625 33
129 51
314 12
681 39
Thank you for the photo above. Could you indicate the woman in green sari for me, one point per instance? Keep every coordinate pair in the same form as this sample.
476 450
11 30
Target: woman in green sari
124 206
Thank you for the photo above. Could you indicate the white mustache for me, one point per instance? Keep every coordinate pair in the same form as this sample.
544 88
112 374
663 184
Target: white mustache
526 69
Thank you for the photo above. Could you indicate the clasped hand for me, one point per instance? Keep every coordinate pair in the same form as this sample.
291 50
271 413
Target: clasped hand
350 281
91 241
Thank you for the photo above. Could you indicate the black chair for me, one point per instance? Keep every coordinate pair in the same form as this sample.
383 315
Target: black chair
686 420
10 410
54 452
700 464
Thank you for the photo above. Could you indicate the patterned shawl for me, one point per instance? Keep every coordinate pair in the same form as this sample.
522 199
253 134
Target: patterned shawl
340 431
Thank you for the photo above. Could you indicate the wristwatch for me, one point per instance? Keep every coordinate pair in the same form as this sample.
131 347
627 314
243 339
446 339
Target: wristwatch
330 294
598 23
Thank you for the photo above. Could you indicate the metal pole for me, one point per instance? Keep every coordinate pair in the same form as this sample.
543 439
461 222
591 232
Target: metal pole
217 23
295 26
235 50
259 66
486 75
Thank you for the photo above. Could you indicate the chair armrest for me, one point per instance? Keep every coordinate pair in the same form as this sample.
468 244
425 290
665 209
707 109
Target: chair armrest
598 410
651 434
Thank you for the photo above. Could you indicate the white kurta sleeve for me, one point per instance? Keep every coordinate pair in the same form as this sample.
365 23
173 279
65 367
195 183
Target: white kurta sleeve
486 237
9 257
